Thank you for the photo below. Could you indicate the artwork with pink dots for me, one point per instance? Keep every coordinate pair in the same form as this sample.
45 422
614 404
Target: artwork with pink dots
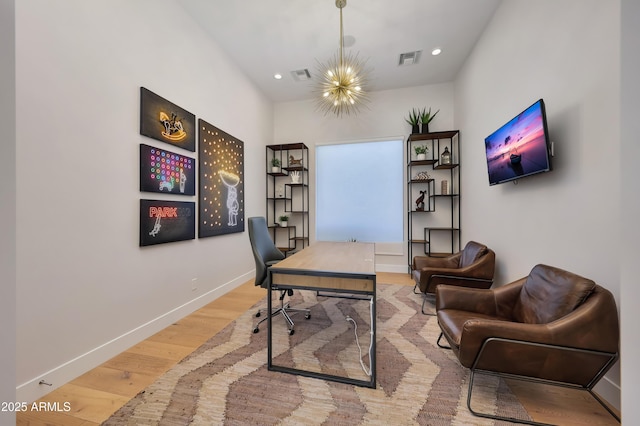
166 171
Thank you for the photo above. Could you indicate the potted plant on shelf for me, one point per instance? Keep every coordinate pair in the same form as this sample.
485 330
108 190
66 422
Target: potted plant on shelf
414 120
275 165
284 220
426 117
421 151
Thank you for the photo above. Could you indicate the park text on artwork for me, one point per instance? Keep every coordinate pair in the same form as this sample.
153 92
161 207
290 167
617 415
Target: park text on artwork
163 221
221 190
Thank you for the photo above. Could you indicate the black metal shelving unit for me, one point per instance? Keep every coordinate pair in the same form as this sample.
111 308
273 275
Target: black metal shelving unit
285 197
441 212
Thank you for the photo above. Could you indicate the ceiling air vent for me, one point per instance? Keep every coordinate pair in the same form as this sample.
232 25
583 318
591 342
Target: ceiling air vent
301 75
409 58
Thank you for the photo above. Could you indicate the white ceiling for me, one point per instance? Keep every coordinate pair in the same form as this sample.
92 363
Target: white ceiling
264 37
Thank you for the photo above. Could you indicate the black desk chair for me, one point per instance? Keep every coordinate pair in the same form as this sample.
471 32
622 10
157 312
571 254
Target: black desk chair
267 254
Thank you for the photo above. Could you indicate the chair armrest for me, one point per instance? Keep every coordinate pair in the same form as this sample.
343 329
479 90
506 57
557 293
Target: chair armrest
421 262
531 350
496 302
465 299
476 331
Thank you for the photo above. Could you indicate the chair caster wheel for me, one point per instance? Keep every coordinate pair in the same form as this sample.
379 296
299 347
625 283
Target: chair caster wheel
291 332
257 314
255 330
307 316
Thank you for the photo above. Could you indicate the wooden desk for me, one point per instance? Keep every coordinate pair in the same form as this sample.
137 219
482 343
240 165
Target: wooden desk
341 267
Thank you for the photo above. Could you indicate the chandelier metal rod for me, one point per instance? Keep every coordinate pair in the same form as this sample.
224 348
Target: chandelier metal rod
341 35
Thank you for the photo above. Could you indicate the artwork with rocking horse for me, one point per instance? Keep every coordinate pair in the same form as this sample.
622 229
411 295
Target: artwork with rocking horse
166 121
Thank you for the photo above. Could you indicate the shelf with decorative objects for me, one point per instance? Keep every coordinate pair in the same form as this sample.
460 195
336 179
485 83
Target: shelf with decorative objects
433 194
287 191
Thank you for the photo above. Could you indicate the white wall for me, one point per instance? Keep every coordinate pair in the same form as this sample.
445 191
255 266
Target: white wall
567 52
384 118
85 290
630 211
7 209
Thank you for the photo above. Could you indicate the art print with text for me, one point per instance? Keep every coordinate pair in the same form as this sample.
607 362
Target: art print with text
163 221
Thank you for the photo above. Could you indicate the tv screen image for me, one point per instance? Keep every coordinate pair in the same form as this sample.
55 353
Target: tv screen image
520 147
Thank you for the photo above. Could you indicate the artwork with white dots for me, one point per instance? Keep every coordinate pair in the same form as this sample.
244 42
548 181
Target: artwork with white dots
221 190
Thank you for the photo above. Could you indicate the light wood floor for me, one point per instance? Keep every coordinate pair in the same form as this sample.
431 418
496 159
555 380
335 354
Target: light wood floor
97 394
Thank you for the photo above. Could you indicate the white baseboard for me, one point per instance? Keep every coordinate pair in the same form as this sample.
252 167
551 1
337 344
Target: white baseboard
58 376
400 269
609 391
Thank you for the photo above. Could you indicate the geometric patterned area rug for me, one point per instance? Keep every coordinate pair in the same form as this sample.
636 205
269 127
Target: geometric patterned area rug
226 380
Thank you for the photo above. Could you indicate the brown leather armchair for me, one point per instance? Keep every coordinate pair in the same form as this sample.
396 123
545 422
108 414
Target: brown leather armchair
472 267
552 326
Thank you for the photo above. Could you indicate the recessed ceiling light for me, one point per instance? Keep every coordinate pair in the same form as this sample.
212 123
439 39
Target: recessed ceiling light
277 76
436 51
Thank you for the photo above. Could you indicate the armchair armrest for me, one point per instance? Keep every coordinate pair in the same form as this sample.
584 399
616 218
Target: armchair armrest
465 299
476 331
530 350
421 262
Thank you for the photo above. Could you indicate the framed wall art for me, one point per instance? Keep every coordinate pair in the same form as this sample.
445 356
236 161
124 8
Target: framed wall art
166 122
163 221
221 182
166 171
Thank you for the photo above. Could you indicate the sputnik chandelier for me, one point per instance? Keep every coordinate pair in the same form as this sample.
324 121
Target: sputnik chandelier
343 80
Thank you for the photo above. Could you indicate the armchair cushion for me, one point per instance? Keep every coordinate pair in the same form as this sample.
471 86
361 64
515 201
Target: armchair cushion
471 253
550 293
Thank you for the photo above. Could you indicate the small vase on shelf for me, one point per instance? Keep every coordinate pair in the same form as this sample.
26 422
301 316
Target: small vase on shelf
445 158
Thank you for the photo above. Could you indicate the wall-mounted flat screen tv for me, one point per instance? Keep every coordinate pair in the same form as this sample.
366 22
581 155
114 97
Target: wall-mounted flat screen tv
520 147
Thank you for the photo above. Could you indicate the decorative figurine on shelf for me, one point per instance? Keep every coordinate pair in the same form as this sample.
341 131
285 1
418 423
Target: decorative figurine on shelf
445 158
295 177
280 191
420 202
294 162
422 176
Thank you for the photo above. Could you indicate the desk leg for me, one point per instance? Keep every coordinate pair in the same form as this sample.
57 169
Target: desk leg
374 337
269 346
